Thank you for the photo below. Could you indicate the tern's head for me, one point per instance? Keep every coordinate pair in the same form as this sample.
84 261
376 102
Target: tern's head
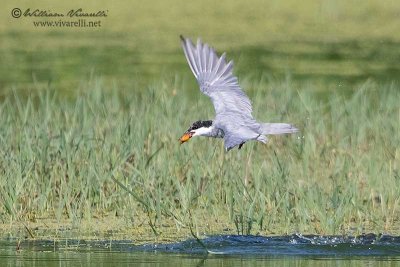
198 128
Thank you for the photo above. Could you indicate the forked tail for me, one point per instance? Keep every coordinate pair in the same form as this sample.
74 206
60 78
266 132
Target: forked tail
278 128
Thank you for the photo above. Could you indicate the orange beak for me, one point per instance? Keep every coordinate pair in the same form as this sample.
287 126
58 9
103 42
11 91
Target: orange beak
185 137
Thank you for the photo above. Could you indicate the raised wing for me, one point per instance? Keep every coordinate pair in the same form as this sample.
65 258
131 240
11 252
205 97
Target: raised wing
215 78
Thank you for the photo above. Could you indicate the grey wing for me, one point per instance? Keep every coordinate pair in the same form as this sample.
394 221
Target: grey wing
241 135
231 140
237 129
216 79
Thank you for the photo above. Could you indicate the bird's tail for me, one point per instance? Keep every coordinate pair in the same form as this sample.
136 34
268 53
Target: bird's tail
278 128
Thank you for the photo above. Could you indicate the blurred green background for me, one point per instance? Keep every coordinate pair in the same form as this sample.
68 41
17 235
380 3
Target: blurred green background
328 45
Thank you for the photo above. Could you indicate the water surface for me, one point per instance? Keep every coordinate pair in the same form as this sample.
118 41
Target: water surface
226 250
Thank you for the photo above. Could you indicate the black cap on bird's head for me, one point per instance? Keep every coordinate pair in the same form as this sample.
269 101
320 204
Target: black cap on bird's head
192 130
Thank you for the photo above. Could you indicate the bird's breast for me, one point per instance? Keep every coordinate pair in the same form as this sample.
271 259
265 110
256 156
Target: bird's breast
218 133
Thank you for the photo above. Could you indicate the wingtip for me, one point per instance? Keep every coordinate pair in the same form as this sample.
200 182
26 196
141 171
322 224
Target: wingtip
182 38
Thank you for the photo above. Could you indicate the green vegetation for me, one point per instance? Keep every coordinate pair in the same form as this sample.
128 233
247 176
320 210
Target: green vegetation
340 175
333 44
90 120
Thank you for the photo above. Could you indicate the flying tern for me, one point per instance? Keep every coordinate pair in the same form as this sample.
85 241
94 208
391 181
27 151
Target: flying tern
233 121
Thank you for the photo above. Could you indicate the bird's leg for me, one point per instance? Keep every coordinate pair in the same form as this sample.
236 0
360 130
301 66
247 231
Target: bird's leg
240 146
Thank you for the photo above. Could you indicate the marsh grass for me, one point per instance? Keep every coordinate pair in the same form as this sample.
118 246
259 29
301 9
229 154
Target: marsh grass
60 160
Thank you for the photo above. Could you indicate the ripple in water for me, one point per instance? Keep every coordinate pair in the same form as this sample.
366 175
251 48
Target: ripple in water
274 246
295 245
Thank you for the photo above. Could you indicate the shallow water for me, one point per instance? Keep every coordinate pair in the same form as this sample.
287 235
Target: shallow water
229 250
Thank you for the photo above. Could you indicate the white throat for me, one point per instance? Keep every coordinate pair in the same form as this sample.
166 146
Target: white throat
204 131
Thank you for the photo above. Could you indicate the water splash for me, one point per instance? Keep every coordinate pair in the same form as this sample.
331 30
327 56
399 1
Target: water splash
295 245
274 246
